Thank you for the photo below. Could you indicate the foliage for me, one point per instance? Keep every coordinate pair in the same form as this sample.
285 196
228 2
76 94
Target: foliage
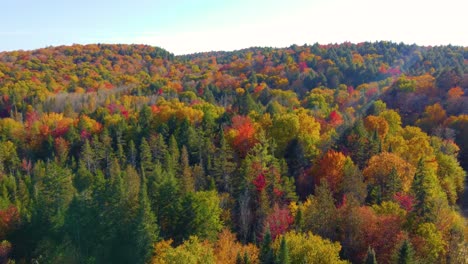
129 154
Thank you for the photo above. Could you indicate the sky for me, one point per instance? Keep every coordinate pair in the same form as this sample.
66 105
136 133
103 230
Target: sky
183 27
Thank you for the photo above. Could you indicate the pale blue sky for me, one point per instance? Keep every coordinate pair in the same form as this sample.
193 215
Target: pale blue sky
183 26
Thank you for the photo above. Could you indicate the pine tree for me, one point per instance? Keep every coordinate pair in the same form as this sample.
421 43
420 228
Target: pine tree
83 178
266 252
145 157
353 183
186 176
132 153
370 258
173 150
419 187
223 166
146 230
87 156
405 254
393 185
283 254
158 148
299 220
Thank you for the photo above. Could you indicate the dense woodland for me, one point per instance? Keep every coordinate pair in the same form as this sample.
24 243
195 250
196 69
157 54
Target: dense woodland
349 153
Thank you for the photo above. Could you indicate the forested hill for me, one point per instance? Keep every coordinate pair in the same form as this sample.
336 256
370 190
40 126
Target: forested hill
307 154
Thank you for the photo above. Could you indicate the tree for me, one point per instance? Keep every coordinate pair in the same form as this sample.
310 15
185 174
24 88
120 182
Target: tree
309 248
279 221
353 182
223 165
283 253
426 191
146 159
433 246
329 169
229 251
192 251
185 172
266 252
381 166
405 253
146 230
321 209
174 153
376 123
132 154
201 215
241 135
370 258
284 129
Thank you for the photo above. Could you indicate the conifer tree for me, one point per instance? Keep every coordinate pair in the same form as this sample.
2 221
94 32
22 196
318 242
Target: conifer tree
266 252
223 166
299 220
146 230
422 207
174 152
132 153
393 185
185 172
283 254
145 157
405 254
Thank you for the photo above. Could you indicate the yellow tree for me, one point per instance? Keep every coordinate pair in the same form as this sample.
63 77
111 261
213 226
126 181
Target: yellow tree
227 248
309 248
380 166
376 123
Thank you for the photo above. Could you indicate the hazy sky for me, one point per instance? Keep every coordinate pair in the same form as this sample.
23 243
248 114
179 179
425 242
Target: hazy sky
183 26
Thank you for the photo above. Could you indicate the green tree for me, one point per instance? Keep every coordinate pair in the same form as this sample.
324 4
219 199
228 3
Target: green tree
146 230
223 165
283 253
201 215
266 251
146 159
405 254
185 172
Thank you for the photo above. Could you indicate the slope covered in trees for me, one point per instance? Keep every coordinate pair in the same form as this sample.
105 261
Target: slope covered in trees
307 154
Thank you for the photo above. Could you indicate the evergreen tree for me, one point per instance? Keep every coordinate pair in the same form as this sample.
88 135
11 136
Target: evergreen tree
83 178
405 254
353 183
299 220
158 148
173 150
392 186
420 190
223 165
266 252
370 258
146 158
246 104
185 172
87 156
283 254
146 230
132 153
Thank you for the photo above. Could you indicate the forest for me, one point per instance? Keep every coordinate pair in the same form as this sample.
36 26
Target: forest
339 153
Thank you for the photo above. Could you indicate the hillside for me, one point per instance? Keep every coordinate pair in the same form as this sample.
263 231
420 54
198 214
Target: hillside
129 154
